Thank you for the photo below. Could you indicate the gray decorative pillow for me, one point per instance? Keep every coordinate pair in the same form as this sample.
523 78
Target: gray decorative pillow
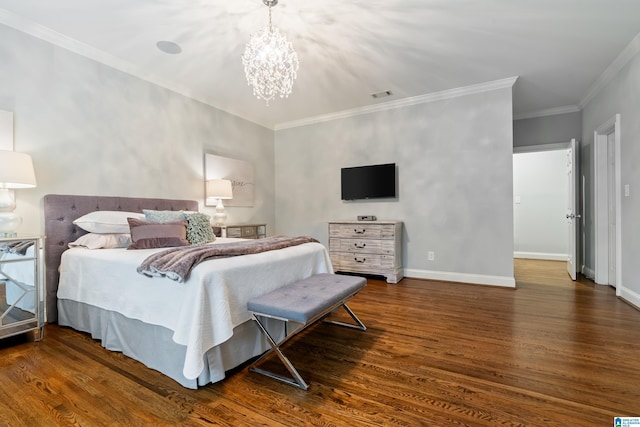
163 216
199 228
198 224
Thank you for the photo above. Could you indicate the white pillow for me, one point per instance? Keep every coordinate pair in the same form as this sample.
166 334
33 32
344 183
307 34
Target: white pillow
102 241
107 221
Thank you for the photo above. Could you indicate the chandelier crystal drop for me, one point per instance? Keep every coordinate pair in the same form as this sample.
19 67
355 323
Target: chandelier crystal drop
270 63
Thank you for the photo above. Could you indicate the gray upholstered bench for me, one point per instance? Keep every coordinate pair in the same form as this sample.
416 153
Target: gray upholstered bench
304 302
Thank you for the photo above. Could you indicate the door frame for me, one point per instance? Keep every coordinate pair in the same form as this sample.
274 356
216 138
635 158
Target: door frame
564 146
600 198
573 216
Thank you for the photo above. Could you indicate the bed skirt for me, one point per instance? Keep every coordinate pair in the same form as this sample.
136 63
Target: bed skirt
153 345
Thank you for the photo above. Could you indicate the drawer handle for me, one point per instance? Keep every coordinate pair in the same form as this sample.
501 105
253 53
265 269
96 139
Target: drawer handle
360 245
360 231
361 260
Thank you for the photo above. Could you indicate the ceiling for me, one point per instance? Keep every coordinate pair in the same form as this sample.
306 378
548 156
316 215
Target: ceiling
348 50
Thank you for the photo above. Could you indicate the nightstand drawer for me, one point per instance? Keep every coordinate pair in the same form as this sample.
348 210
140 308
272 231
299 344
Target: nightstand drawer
234 232
249 232
245 231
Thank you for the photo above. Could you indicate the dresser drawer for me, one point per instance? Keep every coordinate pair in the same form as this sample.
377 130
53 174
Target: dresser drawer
365 246
362 262
362 231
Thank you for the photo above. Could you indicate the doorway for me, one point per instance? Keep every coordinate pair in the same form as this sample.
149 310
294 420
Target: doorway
546 218
607 203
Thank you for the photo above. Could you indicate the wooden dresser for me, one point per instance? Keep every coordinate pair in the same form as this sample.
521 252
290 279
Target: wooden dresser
369 247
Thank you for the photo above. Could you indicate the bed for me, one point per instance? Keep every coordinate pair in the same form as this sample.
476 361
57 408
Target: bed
192 332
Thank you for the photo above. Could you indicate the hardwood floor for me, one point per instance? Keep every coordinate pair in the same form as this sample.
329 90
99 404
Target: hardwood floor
550 353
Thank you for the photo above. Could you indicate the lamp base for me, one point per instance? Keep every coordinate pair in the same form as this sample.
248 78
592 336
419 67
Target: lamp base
9 222
220 217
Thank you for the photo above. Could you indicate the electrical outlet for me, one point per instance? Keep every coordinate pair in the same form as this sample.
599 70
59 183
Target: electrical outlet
431 255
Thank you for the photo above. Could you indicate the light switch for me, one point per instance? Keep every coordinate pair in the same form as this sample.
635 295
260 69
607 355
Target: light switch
517 200
626 190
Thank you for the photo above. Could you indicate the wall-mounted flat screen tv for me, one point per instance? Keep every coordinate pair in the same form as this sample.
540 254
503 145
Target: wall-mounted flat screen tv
369 182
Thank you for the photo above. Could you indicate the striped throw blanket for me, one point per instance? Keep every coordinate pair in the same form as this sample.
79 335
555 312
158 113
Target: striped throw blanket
176 263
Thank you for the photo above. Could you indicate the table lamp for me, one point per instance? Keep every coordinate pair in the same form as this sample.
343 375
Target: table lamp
16 171
219 189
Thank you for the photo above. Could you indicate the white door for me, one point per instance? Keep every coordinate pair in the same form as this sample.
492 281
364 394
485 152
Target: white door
611 202
572 216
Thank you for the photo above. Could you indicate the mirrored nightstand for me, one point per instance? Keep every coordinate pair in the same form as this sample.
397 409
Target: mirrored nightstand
22 296
244 231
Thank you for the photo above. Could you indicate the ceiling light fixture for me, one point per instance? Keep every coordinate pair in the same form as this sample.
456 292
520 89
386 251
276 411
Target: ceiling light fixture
270 63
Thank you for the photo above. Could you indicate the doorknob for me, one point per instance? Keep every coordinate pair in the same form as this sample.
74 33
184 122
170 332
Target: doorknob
573 216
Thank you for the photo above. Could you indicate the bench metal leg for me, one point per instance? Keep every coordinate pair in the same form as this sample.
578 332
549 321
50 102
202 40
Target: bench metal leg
297 380
359 325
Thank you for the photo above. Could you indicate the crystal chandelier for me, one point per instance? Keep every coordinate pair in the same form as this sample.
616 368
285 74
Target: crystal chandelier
270 63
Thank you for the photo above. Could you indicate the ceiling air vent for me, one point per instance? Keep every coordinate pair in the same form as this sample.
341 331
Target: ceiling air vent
381 94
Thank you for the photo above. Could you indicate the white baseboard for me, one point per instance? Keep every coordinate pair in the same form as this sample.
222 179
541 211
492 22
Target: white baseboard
478 279
540 255
630 296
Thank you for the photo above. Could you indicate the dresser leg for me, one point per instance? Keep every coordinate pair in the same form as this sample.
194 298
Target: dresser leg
394 278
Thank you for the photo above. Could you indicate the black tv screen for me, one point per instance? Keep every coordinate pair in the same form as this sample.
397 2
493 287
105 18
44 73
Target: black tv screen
369 182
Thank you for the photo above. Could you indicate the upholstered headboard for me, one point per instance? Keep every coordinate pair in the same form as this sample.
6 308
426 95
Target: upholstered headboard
59 213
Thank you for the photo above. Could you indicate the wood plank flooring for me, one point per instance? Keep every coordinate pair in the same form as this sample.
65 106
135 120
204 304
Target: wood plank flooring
550 353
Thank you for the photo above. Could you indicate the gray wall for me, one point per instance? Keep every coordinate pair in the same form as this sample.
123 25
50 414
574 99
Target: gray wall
621 95
547 129
454 160
91 129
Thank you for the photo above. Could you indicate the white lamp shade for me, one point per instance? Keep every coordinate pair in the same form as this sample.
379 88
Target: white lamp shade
219 189
16 170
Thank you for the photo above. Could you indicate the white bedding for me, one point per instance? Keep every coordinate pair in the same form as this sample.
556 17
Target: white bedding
201 312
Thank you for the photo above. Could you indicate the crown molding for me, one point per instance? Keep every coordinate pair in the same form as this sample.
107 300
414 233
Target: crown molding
421 99
614 68
548 112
